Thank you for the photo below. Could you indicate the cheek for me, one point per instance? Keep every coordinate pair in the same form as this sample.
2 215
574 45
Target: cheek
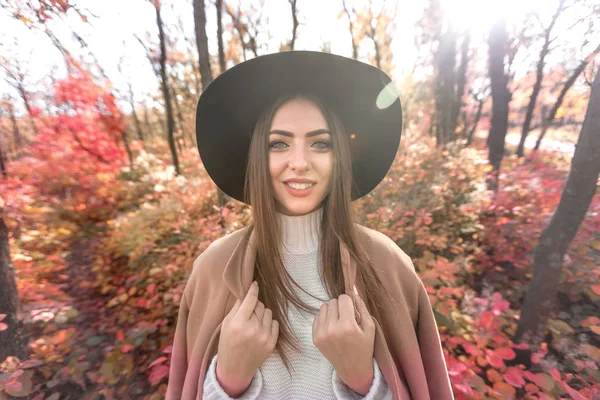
325 165
276 167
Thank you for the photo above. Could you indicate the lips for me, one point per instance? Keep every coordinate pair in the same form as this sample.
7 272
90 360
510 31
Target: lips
299 187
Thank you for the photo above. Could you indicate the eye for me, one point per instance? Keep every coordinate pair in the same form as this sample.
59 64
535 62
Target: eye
322 144
277 145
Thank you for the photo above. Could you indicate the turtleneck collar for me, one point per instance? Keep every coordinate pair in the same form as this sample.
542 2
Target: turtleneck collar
301 234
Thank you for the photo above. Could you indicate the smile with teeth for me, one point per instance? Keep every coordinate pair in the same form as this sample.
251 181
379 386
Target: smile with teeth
299 186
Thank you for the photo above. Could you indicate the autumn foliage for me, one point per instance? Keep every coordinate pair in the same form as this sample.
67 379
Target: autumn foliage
102 252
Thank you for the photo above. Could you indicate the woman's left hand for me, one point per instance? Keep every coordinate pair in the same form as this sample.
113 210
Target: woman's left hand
346 343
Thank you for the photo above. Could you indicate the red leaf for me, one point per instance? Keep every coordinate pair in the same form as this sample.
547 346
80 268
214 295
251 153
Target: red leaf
159 360
158 373
472 349
150 288
126 348
573 393
494 360
506 353
3 326
13 387
514 376
120 335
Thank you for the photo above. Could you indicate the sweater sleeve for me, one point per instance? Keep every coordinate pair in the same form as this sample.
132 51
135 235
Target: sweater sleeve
214 391
379 389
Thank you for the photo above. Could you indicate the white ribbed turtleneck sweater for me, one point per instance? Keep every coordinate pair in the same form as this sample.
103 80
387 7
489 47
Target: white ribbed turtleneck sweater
312 375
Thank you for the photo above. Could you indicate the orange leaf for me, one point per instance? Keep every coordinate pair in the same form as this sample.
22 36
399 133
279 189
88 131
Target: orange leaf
493 375
505 389
531 388
544 381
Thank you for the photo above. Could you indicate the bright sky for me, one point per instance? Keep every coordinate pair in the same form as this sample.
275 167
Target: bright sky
117 21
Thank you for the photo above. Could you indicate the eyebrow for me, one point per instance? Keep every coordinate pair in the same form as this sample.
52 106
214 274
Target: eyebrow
308 134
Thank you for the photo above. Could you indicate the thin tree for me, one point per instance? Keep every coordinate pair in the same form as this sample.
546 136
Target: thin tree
13 340
16 131
538 78
556 238
165 88
294 23
498 46
2 151
461 80
15 77
351 29
204 62
222 64
445 86
130 100
552 113
202 43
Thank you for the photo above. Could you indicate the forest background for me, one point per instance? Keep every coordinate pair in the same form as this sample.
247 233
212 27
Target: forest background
104 203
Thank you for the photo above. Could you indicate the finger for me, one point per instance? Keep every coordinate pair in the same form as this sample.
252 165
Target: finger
320 319
333 313
249 303
365 316
346 308
267 318
259 310
274 334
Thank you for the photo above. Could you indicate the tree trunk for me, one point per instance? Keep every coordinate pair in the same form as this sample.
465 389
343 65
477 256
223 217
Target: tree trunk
204 58
147 121
13 340
351 28
548 120
538 81
202 43
498 45
2 165
165 89
294 23
554 241
461 79
476 122
136 120
16 133
222 64
445 81
179 115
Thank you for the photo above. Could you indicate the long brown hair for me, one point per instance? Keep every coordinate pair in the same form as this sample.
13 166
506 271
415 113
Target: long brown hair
337 225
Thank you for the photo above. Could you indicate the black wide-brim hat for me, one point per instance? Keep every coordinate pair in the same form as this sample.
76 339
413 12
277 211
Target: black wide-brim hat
363 96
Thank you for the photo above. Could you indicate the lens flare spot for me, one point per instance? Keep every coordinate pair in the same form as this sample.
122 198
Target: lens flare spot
387 96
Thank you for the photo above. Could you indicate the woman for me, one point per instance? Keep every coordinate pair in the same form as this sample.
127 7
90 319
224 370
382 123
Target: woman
337 310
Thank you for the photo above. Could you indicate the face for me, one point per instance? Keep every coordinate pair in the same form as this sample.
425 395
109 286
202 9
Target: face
300 157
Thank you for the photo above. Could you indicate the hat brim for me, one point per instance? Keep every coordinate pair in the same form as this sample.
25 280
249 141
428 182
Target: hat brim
363 96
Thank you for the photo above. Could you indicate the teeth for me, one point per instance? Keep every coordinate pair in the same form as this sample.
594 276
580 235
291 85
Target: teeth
299 186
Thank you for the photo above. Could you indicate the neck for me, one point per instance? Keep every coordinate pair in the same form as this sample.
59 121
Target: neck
301 234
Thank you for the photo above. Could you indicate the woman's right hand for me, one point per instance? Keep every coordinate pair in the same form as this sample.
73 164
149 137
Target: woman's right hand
248 336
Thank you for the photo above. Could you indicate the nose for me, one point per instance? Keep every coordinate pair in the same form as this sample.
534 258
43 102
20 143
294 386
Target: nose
298 159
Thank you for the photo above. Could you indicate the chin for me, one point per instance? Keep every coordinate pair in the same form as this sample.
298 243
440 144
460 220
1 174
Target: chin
296 208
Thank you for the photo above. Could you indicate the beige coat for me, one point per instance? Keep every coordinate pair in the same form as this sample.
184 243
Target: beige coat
412 363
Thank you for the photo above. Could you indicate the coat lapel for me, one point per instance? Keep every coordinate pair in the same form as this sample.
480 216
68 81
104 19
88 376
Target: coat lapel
238 281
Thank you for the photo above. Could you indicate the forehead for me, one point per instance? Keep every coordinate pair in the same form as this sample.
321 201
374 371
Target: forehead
299 116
